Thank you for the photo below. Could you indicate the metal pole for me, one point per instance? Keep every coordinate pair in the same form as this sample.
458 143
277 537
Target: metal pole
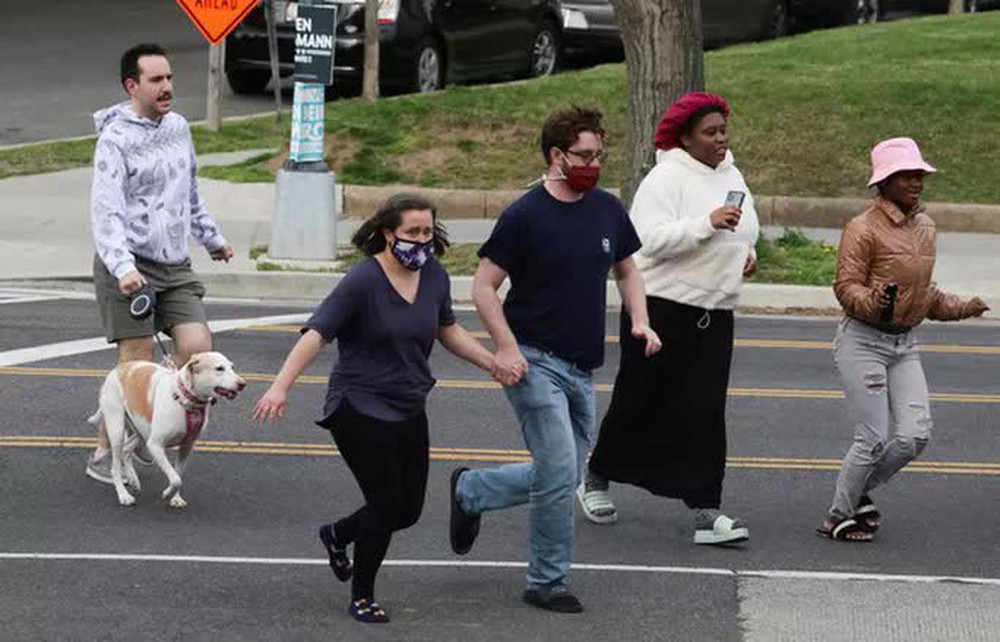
216 55
272 50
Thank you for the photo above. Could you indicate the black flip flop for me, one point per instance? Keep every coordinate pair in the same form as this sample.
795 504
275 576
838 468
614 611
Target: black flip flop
843 529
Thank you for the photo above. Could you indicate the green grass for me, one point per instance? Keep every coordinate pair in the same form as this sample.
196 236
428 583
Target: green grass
806 111
234 135
256 251
273 266
790 259
795 259
252 170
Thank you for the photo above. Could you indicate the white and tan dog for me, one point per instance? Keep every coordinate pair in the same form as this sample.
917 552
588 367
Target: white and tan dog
168 408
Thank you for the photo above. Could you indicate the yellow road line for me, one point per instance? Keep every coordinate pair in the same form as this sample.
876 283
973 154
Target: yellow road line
740 343
494 455
474 384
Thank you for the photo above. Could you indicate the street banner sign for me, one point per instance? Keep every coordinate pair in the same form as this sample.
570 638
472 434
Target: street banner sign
216 18
315 42
308 124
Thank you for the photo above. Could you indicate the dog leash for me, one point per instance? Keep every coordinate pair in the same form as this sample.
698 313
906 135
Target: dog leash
142 305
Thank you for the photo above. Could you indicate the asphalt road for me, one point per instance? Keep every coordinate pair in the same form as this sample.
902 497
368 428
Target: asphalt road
243 562
61 64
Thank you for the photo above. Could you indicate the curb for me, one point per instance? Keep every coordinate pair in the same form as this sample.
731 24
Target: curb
312 288
360 201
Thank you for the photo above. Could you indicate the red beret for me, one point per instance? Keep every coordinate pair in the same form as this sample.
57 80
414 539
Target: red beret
668 133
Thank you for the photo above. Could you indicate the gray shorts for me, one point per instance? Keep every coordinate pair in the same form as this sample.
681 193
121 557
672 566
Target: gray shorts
178 299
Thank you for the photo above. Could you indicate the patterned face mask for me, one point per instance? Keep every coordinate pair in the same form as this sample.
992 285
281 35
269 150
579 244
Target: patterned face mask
412 255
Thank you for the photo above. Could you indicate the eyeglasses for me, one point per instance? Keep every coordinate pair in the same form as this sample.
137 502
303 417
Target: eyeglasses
589 157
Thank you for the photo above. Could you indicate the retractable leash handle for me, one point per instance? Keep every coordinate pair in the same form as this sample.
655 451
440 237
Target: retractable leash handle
142 305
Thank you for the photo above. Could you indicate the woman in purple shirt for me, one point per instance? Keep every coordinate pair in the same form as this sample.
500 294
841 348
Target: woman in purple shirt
385 314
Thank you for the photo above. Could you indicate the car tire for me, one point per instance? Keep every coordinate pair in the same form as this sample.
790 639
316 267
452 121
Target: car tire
544 51
778 20
428 68
248 81
862 12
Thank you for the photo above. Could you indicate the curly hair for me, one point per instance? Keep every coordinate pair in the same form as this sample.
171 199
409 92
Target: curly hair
563 127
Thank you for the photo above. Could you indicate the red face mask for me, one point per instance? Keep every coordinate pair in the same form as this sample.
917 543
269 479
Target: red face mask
582 178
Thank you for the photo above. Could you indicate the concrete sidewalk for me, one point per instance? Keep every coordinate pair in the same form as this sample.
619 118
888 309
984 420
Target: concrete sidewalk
47 239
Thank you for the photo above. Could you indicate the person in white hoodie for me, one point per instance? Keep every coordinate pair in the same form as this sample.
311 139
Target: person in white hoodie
665 429
144 205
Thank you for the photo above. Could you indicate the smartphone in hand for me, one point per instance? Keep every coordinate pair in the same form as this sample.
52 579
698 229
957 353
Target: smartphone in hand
735 198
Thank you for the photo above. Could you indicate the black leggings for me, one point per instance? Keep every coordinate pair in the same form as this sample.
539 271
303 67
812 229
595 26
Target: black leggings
389 460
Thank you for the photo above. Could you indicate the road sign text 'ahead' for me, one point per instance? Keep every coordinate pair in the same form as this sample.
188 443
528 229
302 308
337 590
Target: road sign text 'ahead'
216 18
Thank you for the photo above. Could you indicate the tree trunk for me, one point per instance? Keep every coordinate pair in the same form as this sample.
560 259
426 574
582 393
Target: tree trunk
663 57
956 6
369 86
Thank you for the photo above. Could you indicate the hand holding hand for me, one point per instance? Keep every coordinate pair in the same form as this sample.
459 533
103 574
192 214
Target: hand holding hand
974 308
726 217
645 333
224 253
271 405
131 282
509 366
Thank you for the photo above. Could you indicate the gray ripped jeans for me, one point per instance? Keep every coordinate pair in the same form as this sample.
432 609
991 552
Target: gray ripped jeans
889 404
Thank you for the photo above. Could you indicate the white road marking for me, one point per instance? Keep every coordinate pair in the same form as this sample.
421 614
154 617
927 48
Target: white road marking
618 568
81 346
27 295
26 299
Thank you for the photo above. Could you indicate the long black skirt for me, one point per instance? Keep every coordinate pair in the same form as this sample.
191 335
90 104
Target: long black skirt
665 430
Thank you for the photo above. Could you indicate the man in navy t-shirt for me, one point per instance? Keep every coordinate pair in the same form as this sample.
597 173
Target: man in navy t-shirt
557 244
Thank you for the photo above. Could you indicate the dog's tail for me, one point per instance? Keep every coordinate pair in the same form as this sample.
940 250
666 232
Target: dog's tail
95 418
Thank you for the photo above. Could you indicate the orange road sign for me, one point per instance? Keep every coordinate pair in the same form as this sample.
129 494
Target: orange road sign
216 18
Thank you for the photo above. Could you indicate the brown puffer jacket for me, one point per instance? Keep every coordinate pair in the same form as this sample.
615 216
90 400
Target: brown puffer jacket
881 245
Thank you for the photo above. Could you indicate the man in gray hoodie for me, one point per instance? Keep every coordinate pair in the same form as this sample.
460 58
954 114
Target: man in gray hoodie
144 205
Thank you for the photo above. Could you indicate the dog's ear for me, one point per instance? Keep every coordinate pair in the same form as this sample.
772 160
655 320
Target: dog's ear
194 365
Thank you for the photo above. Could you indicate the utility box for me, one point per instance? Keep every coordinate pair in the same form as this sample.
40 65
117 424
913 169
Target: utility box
304 220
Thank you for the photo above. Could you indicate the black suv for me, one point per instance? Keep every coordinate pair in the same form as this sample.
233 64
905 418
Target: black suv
424 44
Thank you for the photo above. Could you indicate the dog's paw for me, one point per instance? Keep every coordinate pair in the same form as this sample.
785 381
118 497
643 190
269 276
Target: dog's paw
126 499
177 501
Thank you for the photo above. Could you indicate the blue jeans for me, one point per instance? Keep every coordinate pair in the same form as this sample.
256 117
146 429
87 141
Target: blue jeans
555 405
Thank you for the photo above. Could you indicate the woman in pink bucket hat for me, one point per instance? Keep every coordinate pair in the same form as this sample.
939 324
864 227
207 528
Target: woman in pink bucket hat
883 282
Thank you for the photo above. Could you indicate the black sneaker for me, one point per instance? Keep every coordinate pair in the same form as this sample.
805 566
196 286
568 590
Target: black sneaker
553 598
463 528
